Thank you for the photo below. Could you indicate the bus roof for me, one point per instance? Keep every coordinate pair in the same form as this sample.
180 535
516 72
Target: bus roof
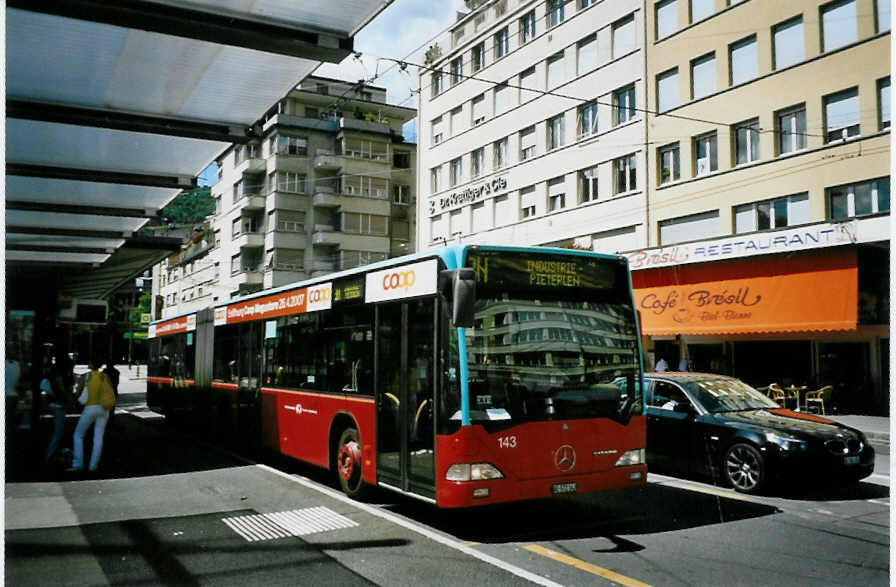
452 255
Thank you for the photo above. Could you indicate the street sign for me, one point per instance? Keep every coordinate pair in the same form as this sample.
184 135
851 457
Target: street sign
145 318
137 335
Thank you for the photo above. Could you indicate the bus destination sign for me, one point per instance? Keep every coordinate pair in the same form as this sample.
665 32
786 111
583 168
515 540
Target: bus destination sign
506 269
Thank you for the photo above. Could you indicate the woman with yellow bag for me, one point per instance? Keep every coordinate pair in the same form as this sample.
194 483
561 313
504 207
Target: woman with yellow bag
96 394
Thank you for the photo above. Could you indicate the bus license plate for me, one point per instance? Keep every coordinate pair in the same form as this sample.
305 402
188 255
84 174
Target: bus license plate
853 460
558 488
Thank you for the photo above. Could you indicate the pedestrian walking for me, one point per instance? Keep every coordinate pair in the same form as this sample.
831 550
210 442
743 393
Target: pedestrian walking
100 399
52 386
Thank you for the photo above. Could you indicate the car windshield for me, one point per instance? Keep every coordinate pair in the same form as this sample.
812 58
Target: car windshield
728 395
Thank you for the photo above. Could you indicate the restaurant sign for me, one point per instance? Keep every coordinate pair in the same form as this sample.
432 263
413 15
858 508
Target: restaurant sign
471 194
780 241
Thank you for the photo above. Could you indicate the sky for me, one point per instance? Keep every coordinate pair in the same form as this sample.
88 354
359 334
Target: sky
402 31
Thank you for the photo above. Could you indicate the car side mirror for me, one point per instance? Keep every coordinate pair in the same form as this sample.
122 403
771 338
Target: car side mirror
459 286
683 408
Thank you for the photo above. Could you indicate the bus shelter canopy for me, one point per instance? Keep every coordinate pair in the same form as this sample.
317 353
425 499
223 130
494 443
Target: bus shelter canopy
113 108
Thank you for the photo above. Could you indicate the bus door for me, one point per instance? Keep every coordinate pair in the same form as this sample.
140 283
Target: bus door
405 337
249 384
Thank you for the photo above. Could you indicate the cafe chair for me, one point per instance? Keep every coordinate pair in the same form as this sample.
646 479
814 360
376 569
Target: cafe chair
818 397
777 395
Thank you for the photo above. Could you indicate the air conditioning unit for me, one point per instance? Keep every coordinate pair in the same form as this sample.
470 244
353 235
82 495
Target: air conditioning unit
80 311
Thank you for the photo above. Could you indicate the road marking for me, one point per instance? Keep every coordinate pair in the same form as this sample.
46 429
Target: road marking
673 482
582 565
422 530
884 479
885 502
290 523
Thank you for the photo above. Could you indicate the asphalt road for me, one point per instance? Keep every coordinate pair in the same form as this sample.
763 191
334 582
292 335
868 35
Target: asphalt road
181 512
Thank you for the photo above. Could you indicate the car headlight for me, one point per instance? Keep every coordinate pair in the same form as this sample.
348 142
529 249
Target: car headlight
786 441
632 457
473 472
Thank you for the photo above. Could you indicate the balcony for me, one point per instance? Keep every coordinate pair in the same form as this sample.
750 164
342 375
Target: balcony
326 200
324 234
364 126
249 276
251 166
249 240
250 201
327 159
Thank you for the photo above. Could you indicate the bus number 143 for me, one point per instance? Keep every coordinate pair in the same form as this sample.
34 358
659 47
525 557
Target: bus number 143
507 441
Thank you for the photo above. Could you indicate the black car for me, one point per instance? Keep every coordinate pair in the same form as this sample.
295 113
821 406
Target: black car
713 425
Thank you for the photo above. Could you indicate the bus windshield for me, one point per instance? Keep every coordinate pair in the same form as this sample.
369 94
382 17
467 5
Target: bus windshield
551 333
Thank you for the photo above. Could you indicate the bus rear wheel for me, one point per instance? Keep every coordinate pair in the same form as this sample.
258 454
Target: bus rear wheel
348 464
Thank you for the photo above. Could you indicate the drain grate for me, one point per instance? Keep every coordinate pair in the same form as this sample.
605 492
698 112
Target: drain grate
289 523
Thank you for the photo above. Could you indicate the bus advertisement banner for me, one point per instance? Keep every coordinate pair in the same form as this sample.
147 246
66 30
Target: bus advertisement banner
404 281
297 301
173 326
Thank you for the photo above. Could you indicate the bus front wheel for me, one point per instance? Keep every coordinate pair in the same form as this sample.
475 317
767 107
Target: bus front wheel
348 464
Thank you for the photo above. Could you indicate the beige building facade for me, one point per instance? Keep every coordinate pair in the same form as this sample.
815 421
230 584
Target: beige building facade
768 168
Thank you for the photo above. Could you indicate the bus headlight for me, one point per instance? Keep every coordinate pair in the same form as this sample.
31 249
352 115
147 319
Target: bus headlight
473 472
632 457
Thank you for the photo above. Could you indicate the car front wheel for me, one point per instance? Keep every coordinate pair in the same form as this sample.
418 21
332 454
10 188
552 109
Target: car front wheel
744 468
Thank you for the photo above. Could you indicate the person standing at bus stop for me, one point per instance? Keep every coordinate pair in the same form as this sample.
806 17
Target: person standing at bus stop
95 414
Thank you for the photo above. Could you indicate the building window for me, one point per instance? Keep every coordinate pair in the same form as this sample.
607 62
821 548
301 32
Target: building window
235 227
529 85
435 179
436 82
790 125
624 104
701 9
290 145
437 130
527 202
666 18
457 36
772 214
667 90
706 159
883 103
477 61
527 27
288 181
527 143
623 36
477 112
586 58
882 15
312 112
401 160
289 259
457 70
859 199
503 210
743 60
555 12
838 25
555 70
703 76
556 194
401 194
625 172
841 115
477 162
437 228
499 153
556 132
500 8
669 162
788 46
689 228
479 213
401 230
234 265
502 98
746 141
583 4
502 43
455 170
588 185
455 120
372 224
588 119
456 223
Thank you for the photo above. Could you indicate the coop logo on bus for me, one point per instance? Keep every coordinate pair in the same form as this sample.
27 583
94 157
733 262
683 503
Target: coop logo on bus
320 297
406 281
175 326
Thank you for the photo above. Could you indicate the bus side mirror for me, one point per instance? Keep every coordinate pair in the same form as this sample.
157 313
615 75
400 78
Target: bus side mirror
459 286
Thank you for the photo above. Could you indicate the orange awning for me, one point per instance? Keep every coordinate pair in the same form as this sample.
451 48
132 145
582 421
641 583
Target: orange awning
781 293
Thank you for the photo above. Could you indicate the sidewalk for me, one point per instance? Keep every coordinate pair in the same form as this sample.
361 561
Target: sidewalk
876 428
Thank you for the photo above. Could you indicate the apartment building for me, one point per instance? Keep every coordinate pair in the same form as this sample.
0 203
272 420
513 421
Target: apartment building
328 185
768 183
532 127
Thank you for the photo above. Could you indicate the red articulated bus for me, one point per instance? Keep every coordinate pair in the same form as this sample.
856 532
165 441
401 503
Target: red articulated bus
463 376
